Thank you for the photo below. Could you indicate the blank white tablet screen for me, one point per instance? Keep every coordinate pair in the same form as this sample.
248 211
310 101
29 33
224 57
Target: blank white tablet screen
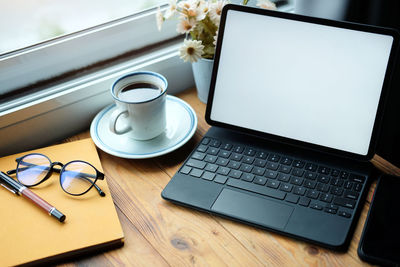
304 81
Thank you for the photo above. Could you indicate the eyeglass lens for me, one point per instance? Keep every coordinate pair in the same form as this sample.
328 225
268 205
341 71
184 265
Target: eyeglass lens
77 177
32 169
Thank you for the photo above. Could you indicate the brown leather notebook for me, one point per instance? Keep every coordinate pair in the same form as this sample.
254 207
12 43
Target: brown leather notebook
30 235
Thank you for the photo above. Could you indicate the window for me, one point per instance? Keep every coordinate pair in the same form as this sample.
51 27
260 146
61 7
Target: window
25 23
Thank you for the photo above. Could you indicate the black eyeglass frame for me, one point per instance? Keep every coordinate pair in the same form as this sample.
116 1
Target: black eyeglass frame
99 174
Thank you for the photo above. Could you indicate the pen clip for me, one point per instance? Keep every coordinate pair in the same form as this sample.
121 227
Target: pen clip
9 189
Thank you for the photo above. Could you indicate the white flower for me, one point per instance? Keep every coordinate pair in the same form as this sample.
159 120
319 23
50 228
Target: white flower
216 10
266 4
191 50
185 26
201 10
171 9
186 5
215 38
159 18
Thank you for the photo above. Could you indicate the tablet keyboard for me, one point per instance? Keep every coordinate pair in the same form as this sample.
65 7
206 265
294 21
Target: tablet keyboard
277 176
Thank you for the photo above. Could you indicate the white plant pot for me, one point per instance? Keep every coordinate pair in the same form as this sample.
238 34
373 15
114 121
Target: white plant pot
202 77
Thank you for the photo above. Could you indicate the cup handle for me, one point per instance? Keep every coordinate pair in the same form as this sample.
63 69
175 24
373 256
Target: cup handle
113 122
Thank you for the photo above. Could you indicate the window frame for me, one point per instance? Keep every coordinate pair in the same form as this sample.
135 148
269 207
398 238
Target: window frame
84 48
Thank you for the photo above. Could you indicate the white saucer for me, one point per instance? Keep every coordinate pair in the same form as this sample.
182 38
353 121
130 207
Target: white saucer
181 125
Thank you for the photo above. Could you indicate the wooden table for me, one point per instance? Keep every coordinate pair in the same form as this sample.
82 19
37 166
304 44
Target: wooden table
159 233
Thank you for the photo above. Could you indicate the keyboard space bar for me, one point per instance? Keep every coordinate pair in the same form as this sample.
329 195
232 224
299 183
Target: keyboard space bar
256 188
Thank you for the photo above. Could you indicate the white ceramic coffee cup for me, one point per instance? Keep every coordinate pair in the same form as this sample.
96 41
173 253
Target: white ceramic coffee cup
144 119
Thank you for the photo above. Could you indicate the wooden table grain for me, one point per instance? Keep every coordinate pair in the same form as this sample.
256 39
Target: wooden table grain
159 233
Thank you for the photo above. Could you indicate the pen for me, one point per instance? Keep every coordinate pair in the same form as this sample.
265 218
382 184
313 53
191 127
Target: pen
19 189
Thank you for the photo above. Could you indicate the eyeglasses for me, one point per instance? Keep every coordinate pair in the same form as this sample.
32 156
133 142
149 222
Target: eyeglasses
76 177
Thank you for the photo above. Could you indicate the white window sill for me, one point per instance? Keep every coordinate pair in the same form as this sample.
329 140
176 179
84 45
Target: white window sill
61 111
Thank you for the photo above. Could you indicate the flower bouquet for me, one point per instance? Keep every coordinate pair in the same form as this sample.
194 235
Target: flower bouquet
199 20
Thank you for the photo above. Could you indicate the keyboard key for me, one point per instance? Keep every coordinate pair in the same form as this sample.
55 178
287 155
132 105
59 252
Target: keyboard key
248 159
324 170
348 185
211 167
292 198
215 143
286 187
198 155
325 197
272 165
344 175
271 174
224 153
212 151
329 210
331 206
260 180
186 170
261 155
296 180
286 161
235 174
311 167
285 169
258 171
208 176
220 179
222 161
246 167
236 156
312 194
274 157
238 149
298 163
323 187
299 190
273 184
344 202
196 173
357 187
202 148
249 152
310 175
323 178
310 184
351 194
248 177
304 201
316 206
257 189
283 177
227 146
196 163
335 173
260 162
336 190
336 182
210 158
298 172
344 214
234 164
205 141
356 178
223 170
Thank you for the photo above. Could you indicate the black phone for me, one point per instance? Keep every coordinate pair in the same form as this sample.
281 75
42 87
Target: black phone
380 240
